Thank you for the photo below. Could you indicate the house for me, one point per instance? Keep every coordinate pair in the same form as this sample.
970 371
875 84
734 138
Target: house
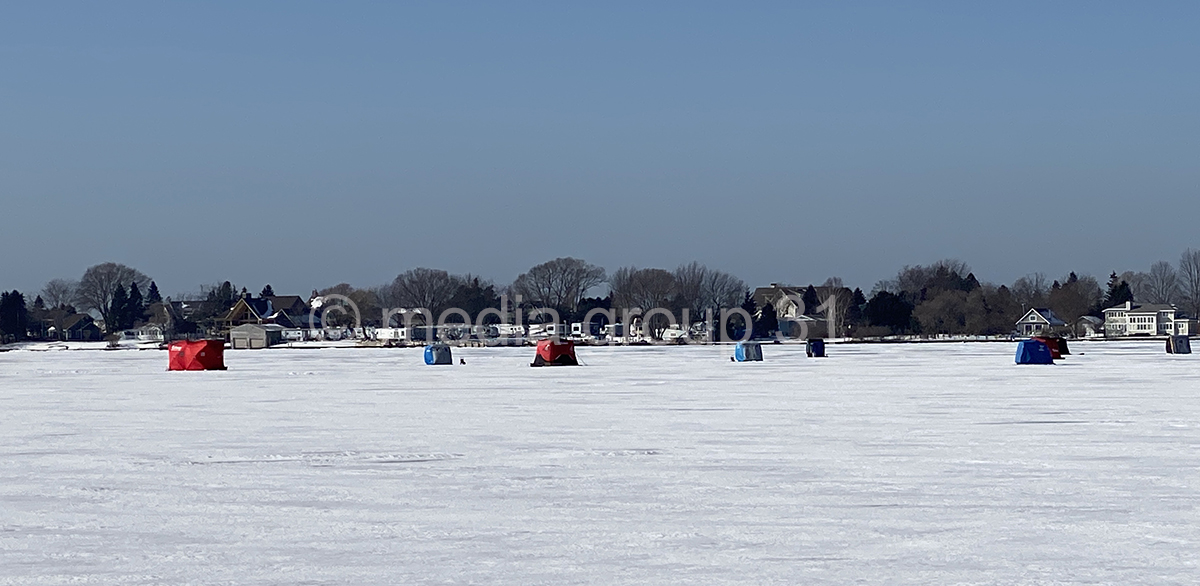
1144 319
1039 321
255 336
146 333
1089 326
787 300
248 310
78 327
800 322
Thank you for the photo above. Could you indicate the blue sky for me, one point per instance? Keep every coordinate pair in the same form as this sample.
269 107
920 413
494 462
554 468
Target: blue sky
306 144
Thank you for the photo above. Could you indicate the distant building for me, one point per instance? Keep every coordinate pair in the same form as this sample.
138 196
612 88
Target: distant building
288 311
255 336
78 327
146 333
1143 319
796 321
1039 321
1089 326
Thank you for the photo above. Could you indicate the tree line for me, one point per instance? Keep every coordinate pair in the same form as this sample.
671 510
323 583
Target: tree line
942 298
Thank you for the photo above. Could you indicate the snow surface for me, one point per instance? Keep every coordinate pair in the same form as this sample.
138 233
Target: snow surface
883 464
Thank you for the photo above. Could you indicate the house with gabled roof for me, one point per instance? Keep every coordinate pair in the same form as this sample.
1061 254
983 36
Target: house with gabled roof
79 327
1039 321
1144 319
248 310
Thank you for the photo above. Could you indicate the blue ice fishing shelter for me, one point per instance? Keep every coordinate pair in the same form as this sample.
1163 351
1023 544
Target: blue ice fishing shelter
438 354
747 352
1033 352
1179 345
815 348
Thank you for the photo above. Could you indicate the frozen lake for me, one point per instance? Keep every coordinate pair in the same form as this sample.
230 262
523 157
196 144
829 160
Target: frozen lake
883 464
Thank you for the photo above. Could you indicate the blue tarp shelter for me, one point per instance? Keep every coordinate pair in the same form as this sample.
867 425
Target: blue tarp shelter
815 348
747 352
1179 345
1033 352
438 354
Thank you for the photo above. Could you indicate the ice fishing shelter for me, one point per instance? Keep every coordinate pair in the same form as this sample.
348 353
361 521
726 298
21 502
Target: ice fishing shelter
196 355
555 353
748 352
438 354
1179 345
1058 346
815 348
1034 352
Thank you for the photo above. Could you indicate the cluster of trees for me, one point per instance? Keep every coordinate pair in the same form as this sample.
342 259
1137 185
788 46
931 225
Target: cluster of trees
946 298
561 284
1169 284
942 298
14 316
112 291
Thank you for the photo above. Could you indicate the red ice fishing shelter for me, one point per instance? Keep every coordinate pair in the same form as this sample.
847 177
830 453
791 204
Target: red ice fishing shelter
552 353
1058 346
197 355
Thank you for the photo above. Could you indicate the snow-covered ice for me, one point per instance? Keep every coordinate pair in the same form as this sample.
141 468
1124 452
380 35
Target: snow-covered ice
883 464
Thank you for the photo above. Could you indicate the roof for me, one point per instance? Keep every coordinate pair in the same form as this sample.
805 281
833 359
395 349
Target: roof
1091 319
775 294
1046 314
1143 308
288 303
78 320
264 327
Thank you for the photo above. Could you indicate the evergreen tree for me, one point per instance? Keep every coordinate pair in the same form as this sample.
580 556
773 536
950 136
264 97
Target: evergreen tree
14 316
1121 295
589 303
474 297
854 313
118 310
1118 292
267 291
152 295
889 310
735 328
767 322
135 308
38 304
811 301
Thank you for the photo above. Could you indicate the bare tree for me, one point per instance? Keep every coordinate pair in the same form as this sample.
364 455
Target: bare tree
699 288
644 289
431 289
99 283
1189 281
1031 291
840 304
59 292
722 290
559 283
689 287
1162 283
1074 297
1139 285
